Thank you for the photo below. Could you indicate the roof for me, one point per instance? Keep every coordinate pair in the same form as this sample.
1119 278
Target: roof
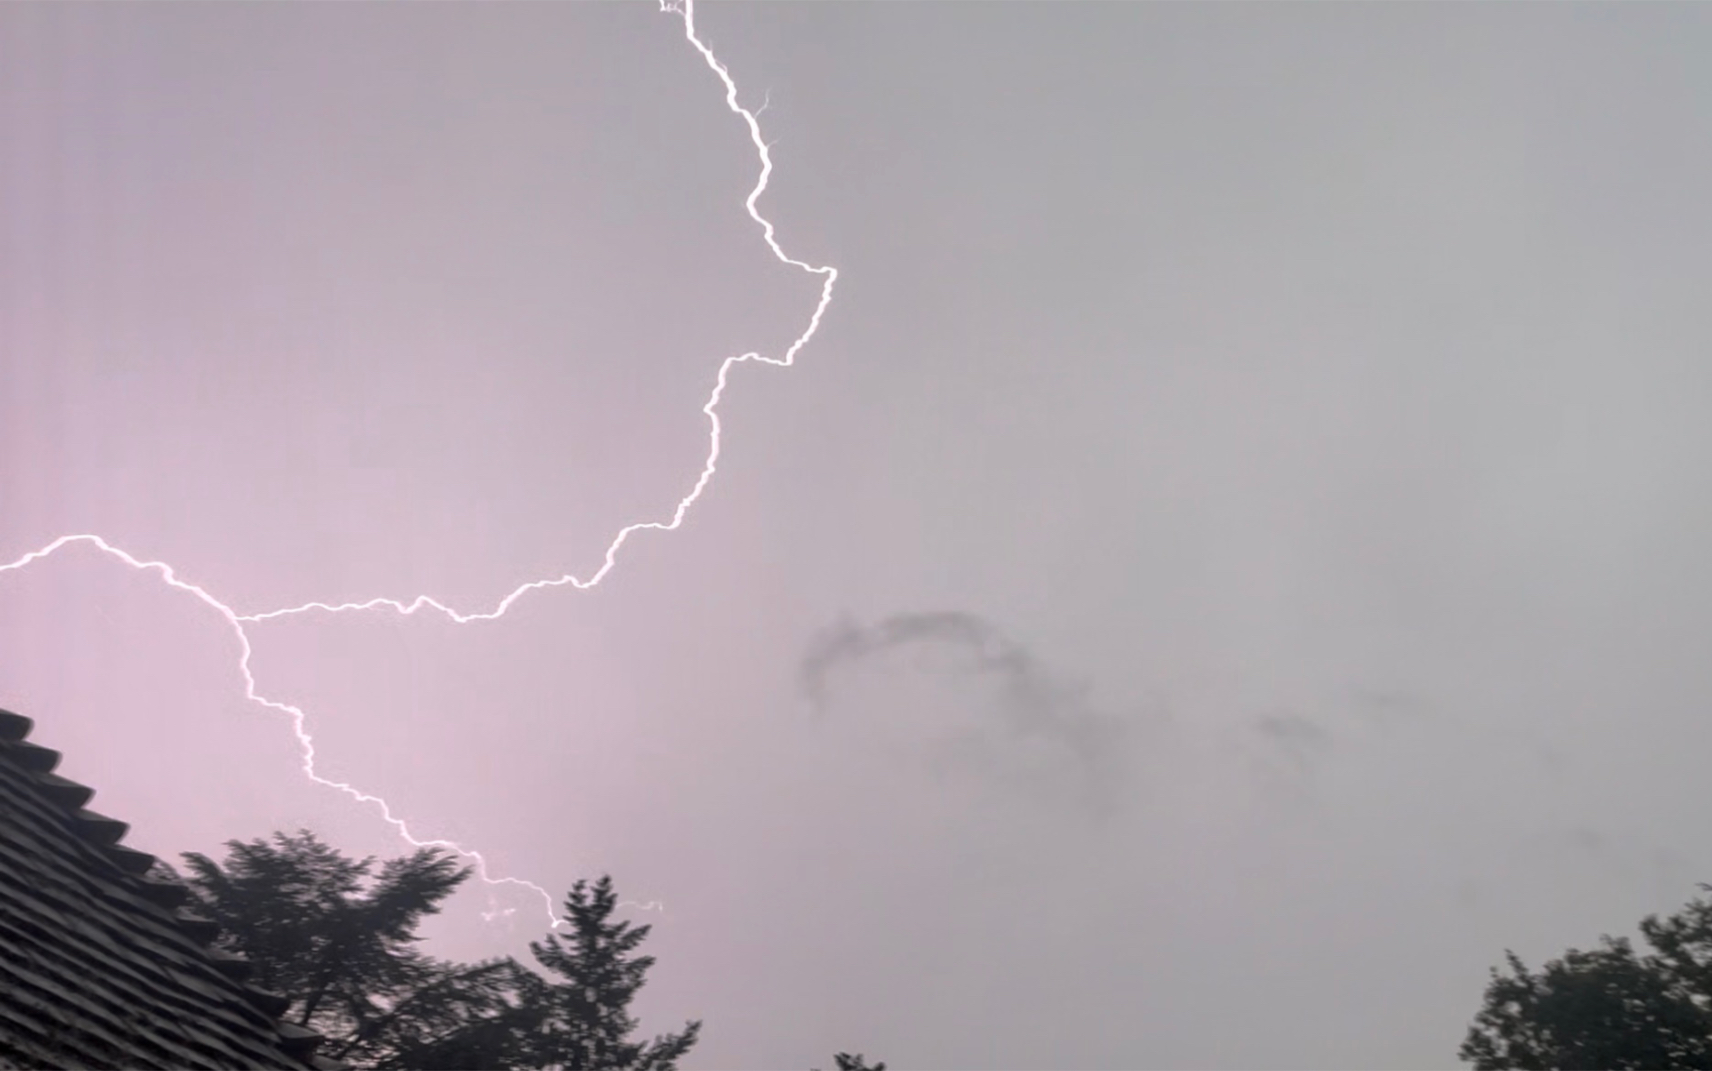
99 964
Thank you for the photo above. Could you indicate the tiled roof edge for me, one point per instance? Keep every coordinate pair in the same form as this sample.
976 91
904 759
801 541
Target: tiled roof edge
104 834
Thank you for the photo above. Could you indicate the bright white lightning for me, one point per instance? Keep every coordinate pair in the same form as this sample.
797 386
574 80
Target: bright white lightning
686 11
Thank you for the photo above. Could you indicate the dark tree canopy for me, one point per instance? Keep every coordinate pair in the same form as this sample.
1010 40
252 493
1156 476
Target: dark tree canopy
339 939
588 1025
847 1062
1605 1008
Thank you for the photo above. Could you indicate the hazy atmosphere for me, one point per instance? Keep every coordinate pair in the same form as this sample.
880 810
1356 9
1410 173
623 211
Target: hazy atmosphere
1230 563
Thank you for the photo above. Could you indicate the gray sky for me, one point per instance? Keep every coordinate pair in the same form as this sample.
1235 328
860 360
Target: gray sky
1243 518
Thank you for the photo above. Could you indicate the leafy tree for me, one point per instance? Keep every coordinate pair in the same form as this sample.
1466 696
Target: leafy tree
1605 1008
339 940
587 1022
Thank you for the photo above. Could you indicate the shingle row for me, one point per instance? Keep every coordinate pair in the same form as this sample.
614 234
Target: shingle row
99 966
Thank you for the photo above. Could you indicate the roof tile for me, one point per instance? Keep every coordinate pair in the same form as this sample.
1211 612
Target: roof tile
14 727
97 969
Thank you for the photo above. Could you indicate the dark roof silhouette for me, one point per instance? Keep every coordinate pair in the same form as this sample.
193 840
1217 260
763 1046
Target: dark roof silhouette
99 966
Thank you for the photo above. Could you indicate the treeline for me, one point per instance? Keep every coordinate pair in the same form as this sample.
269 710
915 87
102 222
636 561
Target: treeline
338 937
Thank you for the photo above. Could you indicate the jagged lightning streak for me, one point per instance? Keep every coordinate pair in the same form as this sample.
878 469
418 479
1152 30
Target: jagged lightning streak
686 11
306 743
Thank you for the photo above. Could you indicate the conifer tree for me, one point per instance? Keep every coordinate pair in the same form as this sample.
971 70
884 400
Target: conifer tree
338 937
340 941
587 1024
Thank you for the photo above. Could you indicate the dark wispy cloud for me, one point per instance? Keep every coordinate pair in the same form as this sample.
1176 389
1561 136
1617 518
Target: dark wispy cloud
1034 729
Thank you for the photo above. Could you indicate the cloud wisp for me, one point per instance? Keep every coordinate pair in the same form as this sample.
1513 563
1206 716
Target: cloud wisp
1029 729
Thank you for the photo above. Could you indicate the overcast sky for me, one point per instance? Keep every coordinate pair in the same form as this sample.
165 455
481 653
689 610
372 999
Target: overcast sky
1232 562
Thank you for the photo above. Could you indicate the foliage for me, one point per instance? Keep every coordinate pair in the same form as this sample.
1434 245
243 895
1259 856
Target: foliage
847 1062
588 1024
1605 1008
339 939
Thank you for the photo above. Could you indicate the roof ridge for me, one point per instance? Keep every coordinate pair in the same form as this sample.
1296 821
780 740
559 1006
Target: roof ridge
134 869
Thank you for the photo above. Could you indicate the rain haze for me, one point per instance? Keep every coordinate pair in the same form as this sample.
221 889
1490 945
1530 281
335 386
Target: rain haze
1231 562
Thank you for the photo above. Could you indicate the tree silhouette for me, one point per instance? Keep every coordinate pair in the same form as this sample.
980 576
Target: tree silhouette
1605 1008
339 940
587 1022
338 937
847 1062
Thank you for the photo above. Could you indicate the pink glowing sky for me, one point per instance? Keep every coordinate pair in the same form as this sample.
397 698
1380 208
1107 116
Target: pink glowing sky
1322 390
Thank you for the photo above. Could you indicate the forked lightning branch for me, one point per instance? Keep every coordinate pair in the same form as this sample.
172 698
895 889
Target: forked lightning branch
236 621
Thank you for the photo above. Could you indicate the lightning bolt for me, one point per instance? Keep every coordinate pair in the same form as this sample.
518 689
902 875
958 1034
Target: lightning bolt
685 10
